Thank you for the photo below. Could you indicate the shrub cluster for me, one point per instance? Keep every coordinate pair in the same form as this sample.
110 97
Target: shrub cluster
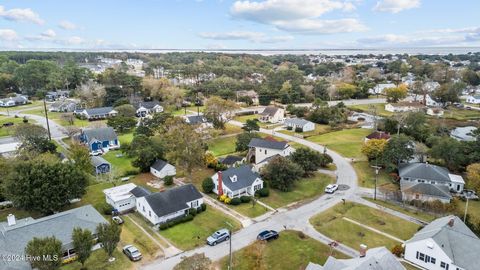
234 201
186 218
264 192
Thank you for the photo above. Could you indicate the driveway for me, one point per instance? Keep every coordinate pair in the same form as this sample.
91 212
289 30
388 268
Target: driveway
297 218
56 130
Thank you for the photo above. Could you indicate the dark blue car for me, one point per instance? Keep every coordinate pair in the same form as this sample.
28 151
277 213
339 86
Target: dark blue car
267 235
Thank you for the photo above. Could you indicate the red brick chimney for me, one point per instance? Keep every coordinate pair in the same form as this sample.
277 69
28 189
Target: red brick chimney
220 184
363 250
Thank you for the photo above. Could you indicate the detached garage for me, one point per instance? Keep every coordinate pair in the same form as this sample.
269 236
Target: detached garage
161 169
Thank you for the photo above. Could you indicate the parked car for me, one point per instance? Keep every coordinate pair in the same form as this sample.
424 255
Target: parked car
218 237
268 235
132 253
331 188
117 220
8 124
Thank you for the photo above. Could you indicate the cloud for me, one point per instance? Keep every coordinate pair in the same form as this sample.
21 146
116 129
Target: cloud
256 37
395 6
66 25
8 35
49 34
298 16
74 41
20 15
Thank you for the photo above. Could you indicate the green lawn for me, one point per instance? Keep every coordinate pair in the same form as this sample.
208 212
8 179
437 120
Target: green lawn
305 188
244 118
56 117
366 175
231 129
193 233
125 138
347 142
132 235
8 131
461 114
248 209
332 224
222 146
99 260
416 214
292 250
367 108
120 165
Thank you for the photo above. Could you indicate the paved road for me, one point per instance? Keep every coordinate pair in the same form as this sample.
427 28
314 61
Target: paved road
297 218
56 130
348 102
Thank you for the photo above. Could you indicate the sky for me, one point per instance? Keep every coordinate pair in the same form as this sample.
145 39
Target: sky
245 24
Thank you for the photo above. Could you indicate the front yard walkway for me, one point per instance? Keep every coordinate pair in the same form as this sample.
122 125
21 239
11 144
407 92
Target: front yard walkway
310 231
374 230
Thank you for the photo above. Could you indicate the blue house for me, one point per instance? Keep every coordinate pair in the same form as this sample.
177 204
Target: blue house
100 140
100 165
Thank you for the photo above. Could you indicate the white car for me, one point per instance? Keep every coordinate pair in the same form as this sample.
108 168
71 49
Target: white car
331 188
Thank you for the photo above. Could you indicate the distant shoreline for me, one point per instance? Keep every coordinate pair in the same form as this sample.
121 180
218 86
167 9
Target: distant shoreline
266 52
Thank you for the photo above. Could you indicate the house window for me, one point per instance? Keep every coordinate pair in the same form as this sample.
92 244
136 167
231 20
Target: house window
257 187
433 182
144 209
433 260
149 213
195 203
265 151
444 265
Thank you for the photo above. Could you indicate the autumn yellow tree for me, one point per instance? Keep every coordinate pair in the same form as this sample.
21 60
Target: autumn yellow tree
473 177
374 148
394 94
220 110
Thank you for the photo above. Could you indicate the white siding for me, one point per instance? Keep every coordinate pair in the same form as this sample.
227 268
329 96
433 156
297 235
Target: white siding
167 170
430 248
123 205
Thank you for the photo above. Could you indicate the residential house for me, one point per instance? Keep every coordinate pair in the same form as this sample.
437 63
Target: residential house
145 108
444 244
99 140
379 258
198 120
57 95
299 123
124 198
404 107
272 114
231 161
380 88
15 234
431 86
173 203
426 100
66 105
17 100
100 165
161 168
250 94
378 135
368 120
435 111
473 99
237 182
427 182
464 134
262 149
96 113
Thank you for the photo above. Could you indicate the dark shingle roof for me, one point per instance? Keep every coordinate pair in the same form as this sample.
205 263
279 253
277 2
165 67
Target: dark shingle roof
159 164
423 171
379 135
140 192
99 111
440 191
97 161
101 134
269 111
196 119
257 142
244 177
230 160
172 200
147 104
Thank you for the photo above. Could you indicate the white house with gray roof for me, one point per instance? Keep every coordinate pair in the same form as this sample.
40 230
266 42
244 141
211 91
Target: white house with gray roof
302 124
161 168
237 182
96 113
378 258
473 99
444 244
15 234
272 114
124 198
427 182
263 149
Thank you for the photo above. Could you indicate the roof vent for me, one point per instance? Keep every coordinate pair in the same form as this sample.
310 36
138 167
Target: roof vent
363 250
11 220
451 222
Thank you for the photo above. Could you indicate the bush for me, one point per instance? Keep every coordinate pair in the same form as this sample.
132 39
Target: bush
264 192
398 250
204 207
171 223
187 218
163 226
208 185
193 211
106 209
168 180
130 172
289 128
227 200
298 129
222 198
245 199
236 201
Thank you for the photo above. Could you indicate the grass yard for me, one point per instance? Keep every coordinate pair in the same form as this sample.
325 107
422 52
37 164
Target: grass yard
416 214
22 107
231 129
305 188
292 250
8 131
367 108
332 224
244 118
56 117
347 142
19 213
248 209
120 165
366 175
461 114
197 177
132 235
125 138
99 260
222 146
193 233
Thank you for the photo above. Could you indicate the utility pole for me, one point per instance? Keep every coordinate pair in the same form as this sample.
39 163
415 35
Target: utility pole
377 169
230 240
467 195
46 118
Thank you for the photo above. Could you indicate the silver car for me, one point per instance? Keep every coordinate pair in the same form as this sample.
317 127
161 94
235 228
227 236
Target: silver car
132 253
218 237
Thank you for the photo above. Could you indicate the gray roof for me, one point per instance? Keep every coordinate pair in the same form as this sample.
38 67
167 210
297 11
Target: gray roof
101 134
297 121
423 171
440 191
463 133
172 200
257 142
230 160
159 164
269 111
147 104
244 175
378 258
13 239
99 111
196 119
457 241
140 192
97 161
